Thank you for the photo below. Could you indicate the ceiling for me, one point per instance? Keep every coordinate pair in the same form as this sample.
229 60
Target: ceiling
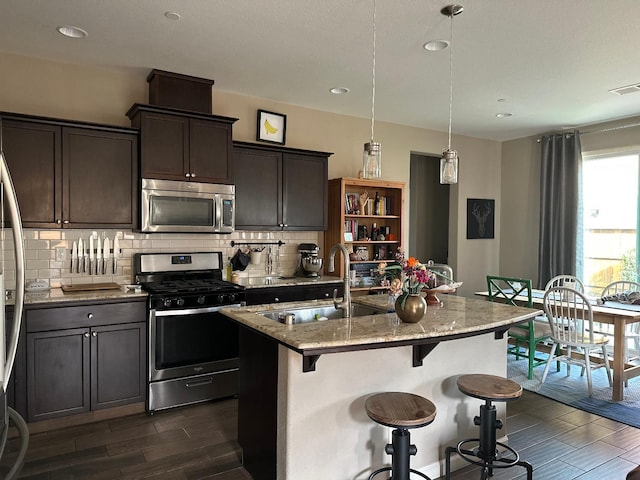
548 63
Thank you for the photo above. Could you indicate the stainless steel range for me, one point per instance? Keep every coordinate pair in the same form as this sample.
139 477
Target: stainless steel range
193 349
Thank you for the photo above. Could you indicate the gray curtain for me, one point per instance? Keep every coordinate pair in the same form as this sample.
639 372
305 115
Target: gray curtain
559 202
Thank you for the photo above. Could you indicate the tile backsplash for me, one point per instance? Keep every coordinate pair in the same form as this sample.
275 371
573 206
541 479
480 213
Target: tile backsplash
45 248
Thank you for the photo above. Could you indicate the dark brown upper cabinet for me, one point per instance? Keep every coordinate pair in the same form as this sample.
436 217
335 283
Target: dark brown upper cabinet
181 145
72 175
280 188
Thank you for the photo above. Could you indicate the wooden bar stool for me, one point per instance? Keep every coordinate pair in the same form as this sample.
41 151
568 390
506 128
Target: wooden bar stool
482 451
400 411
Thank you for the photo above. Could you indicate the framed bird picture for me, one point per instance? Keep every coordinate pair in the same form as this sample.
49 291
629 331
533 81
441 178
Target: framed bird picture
271 127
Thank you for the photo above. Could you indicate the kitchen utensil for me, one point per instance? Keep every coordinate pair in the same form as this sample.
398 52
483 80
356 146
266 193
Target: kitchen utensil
92 262
74 258
106 255
256 255
80 256
99 257
240 260
268 266
116 253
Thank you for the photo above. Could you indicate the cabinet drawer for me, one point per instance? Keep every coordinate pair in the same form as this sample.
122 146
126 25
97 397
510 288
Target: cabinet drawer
56 318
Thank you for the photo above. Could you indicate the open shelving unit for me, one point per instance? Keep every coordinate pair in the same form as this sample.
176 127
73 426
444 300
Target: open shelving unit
346 214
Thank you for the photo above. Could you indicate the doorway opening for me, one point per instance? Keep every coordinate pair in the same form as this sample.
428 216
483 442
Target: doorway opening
428 210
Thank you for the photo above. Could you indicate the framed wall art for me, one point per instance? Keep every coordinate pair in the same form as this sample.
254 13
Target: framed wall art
271 127
480 218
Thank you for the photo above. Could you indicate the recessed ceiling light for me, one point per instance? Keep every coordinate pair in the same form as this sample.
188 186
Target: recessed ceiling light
339 90
504 115
72 32
502 99
435 45
172 15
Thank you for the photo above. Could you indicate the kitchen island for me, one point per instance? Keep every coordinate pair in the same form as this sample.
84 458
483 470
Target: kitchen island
303 387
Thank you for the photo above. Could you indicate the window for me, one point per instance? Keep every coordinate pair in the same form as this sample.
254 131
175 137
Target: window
609 220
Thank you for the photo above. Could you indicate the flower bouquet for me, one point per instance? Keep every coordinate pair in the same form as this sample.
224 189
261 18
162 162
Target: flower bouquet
408 276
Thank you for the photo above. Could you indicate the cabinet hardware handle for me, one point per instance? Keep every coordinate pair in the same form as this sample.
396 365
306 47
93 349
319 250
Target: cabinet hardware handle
187 175
200 383
286 225
66 222
90 315
281 225
86 335
58 221
326 294
276 299
193 175
94 334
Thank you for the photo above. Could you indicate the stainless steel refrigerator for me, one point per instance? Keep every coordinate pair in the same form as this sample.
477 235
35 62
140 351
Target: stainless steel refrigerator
9 339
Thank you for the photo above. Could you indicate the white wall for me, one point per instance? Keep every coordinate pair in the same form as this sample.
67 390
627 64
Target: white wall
42 87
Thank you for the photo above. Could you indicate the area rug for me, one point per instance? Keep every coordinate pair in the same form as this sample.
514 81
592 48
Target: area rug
572 390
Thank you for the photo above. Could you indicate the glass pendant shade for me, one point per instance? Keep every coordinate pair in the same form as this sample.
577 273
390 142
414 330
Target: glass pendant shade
449 167
372 160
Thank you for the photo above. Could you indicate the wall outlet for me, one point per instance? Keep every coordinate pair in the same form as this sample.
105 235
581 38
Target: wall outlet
61 254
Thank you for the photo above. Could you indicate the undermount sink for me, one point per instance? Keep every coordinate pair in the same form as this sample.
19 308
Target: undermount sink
315 314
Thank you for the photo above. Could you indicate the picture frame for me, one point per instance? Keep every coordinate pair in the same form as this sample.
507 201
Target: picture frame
480 218
271 127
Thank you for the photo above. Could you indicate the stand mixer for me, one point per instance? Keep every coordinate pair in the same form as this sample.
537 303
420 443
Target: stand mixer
309 264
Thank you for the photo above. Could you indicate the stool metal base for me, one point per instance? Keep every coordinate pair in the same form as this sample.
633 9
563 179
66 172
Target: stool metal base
400 449
485 454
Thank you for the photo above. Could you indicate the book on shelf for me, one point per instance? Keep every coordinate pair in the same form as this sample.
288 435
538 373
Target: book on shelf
351 203
351 226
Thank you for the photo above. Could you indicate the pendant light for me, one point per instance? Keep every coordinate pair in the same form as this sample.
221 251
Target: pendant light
372 156
449 160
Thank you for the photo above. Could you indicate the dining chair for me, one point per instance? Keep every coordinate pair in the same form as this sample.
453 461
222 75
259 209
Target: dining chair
571 320
529 333
622 288
569 281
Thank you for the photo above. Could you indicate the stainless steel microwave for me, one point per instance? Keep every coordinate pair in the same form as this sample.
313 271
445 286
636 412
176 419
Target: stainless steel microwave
173 206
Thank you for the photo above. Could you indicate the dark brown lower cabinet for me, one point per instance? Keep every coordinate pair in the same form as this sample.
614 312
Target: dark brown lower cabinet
258 404
259 296
76 370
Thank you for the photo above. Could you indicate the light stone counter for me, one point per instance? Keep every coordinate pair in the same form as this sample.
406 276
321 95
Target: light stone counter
458 317
275 281
56 295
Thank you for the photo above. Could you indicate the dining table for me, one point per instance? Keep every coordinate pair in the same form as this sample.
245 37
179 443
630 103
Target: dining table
619 315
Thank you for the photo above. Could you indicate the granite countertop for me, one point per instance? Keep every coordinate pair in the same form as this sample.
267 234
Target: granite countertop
285 281
457 317
56 295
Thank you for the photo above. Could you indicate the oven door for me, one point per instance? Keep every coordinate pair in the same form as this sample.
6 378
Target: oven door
190 342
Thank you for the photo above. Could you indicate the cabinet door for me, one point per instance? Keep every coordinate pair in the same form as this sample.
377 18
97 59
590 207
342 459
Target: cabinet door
164 146
304 192
57 373
100 178
209 151
258 177
118 365
33 154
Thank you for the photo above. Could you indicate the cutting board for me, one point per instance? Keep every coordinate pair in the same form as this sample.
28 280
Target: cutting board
88 287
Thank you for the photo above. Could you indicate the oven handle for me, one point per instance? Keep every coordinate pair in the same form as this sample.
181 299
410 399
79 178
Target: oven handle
190 311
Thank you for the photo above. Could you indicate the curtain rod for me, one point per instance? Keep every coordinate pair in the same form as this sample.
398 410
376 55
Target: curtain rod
602 130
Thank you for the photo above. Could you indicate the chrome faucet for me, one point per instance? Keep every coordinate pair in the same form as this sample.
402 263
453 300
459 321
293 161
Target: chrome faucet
345 305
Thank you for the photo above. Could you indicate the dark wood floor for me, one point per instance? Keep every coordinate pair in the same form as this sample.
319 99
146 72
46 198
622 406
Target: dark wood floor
199 442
